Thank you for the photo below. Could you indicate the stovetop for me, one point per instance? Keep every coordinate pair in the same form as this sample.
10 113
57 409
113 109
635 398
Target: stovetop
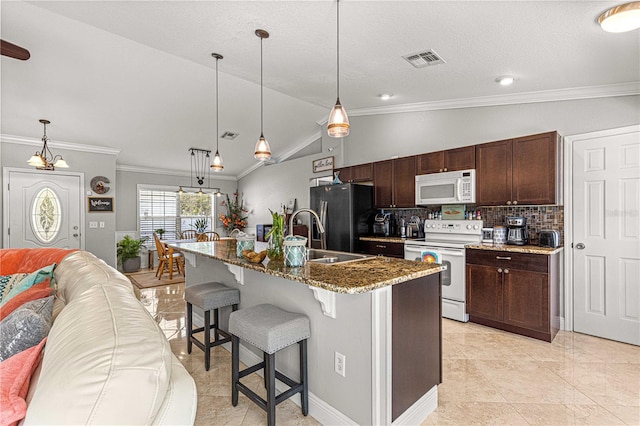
450 233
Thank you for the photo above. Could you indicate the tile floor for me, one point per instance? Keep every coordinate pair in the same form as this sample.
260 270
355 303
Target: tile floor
490 376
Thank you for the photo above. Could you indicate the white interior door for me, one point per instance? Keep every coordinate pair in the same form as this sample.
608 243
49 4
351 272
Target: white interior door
606 242
42 209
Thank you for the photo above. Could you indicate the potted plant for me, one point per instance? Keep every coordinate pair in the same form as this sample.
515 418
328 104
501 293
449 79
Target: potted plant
160 232
128 250
201 224
275 236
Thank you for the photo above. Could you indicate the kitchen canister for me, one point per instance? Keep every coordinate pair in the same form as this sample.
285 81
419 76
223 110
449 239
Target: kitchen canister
244 242
499 235
295 250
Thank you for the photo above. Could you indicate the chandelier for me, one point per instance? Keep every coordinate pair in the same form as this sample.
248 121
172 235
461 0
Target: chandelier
44 159
200 173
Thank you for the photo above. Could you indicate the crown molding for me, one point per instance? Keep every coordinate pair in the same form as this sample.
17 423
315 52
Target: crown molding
569 94
20 140
153 171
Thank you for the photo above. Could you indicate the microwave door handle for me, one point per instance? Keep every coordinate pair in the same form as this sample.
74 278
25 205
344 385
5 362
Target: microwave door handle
459 192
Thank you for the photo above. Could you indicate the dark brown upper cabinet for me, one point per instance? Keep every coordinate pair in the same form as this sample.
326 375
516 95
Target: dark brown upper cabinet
358 173
394 182
447 161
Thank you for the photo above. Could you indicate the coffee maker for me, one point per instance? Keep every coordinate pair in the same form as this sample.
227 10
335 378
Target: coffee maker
517 230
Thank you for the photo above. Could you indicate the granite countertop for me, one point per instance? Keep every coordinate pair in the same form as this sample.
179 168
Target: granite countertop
516 249
349 277
385 239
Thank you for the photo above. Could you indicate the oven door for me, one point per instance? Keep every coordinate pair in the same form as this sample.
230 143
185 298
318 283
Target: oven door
430 255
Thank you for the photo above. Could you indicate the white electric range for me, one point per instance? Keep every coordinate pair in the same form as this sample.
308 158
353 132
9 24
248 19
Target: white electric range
444 243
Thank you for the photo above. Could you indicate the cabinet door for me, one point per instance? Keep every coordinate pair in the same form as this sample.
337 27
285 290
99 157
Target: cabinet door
484 292
493 173
534 169
383 248
362 173
404 182
432 162
345 175
383 183
526 299
460 159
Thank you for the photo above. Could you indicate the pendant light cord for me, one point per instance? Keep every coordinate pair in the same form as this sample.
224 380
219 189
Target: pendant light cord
338 48
261 93
217 108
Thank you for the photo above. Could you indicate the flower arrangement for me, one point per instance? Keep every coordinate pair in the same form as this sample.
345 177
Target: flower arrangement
236 217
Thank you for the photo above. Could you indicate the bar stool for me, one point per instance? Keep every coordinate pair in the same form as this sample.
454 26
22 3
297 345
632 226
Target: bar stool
208 297
269 329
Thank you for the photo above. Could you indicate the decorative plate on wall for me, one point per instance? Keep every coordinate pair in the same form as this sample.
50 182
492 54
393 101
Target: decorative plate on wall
99 185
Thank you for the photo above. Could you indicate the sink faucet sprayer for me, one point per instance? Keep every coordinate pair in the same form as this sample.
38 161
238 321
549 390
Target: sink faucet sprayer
323 241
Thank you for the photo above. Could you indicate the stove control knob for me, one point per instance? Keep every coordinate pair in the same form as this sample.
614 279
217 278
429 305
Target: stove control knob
468 226
476 227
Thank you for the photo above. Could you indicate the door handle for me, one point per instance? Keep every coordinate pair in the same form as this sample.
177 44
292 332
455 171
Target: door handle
580 246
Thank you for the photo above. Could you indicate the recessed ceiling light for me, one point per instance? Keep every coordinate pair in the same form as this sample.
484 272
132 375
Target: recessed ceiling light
505 80
385 96
625 17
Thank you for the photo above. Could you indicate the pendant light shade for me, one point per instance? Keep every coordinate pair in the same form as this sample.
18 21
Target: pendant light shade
262 151
622 18
217 164
338 124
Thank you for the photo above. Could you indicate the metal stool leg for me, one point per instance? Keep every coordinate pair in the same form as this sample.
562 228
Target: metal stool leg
235 368
189 326
304 396
270 374
216 325
207 340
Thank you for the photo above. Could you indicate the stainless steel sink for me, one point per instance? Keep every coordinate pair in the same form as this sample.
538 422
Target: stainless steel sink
331 257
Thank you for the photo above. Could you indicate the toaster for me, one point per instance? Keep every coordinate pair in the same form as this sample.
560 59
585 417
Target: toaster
549 238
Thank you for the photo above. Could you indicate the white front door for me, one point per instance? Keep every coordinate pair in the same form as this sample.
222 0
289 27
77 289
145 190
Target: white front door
606 241
42 209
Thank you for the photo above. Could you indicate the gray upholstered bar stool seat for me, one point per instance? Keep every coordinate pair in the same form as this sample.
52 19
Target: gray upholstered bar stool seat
269 329
209 297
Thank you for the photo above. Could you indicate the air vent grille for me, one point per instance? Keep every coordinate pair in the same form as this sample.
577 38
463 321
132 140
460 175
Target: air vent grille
424 59
229 135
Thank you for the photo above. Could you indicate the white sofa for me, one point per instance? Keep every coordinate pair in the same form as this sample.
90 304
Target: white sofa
106 361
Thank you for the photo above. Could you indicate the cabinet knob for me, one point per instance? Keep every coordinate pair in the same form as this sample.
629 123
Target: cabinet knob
506 271
446 170
440 170
500 270
515 202
508 203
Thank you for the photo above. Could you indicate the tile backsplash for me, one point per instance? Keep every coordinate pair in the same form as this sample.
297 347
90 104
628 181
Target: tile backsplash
538 217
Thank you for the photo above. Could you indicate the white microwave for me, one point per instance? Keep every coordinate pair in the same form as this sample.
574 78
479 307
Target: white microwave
446 188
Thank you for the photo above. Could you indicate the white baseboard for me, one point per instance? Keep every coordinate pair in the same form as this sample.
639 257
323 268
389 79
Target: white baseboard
420 410
318 409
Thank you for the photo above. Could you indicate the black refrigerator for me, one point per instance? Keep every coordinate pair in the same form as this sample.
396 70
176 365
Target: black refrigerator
346 210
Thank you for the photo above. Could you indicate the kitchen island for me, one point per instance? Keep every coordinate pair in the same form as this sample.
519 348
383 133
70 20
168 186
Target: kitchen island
382 314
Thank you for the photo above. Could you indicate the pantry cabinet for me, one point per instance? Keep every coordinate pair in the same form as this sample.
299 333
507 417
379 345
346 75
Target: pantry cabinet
521 171
516 292
446 161
358 173
394 182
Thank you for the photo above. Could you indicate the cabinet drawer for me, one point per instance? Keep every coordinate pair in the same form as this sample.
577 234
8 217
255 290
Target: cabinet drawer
385 249
505 259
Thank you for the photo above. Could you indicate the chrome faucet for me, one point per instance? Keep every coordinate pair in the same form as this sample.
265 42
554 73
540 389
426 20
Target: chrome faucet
323 244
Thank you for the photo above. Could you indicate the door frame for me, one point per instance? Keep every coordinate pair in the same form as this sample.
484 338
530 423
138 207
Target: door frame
5 197
568 213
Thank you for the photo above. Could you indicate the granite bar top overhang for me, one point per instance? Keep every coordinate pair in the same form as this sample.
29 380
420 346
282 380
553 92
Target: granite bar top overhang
381 239
516 249
351 277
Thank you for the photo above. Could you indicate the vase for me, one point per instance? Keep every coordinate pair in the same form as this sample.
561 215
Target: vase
275 247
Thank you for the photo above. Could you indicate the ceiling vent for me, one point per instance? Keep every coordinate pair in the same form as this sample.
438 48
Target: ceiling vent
229 135
424 59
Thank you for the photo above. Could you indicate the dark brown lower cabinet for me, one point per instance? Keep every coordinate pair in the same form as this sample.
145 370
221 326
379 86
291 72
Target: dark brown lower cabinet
384 249
516 292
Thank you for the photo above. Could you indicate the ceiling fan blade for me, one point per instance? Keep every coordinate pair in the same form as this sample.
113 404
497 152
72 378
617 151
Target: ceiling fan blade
13 51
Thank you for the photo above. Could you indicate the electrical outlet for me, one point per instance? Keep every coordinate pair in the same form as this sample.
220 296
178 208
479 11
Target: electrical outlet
93 224
339 363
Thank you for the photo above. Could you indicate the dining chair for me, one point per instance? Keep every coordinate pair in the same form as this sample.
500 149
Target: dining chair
209 236
167 259
189 234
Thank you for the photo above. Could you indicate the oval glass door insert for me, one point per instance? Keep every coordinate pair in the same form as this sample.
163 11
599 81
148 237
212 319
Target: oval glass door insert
46 215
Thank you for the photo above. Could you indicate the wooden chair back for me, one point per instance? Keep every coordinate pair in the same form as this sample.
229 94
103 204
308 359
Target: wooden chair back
162 252
188 234
209 236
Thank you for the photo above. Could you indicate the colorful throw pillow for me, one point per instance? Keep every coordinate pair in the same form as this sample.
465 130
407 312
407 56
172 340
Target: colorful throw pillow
16 374
28 281
8 282
38 291
25 327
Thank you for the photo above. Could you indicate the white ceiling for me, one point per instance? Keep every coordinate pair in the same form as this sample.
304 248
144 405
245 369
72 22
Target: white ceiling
138 75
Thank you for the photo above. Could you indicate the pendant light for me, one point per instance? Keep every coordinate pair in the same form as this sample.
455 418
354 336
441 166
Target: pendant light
216 164
44 159
338 124
263 150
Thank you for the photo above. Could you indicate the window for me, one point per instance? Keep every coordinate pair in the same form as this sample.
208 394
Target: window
161 207
45 215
